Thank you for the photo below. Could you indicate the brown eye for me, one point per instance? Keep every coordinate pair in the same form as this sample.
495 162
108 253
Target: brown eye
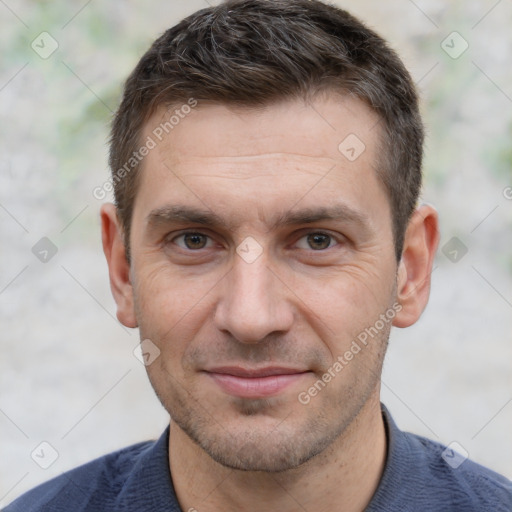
195 241
192 241
318 241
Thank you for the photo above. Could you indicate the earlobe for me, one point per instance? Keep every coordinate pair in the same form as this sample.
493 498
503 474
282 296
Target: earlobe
118 266
415 267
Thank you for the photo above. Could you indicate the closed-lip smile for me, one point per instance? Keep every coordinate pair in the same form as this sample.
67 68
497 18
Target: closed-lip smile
254 382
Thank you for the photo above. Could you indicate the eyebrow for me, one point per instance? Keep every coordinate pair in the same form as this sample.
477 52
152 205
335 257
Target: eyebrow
177 213
338 212
185 214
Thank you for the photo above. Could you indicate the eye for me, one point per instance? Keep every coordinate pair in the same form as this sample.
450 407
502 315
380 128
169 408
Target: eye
192 241
317 241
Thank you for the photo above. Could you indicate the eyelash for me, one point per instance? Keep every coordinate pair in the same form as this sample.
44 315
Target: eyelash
305 235
182 235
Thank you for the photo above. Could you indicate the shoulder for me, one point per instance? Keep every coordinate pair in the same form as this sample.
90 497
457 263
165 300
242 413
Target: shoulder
422 474
455 481
92 486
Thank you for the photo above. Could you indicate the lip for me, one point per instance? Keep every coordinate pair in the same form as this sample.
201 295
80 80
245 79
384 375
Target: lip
255 383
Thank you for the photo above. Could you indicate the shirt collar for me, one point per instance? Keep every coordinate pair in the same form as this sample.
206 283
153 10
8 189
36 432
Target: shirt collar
151 474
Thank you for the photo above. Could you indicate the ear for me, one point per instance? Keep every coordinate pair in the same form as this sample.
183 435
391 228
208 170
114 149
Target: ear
415 267
118 266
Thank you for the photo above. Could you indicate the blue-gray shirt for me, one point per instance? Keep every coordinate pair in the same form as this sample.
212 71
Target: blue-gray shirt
420 475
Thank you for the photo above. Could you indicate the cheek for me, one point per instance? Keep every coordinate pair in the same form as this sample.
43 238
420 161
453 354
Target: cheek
170 308
345 300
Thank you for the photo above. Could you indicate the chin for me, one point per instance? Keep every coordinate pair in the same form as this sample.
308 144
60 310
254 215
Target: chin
257 454
260 444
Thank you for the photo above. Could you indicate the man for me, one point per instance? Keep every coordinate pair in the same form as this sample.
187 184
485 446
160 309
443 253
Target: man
266 159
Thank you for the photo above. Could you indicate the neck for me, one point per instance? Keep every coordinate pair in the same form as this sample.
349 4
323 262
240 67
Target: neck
343 477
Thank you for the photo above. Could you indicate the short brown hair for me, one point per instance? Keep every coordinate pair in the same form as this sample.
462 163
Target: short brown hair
255 52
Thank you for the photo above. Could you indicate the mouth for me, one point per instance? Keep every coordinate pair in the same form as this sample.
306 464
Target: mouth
255 382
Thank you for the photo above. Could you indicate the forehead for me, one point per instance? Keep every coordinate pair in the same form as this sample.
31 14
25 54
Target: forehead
283 127
256 161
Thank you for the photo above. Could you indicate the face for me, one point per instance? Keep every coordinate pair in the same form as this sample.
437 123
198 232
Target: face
260 252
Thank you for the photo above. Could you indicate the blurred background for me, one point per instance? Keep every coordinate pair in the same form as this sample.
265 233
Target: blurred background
69 377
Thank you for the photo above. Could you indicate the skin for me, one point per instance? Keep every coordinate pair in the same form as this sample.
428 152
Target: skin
300 304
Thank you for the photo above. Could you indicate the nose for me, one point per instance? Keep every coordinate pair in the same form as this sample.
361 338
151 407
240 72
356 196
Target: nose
253 303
